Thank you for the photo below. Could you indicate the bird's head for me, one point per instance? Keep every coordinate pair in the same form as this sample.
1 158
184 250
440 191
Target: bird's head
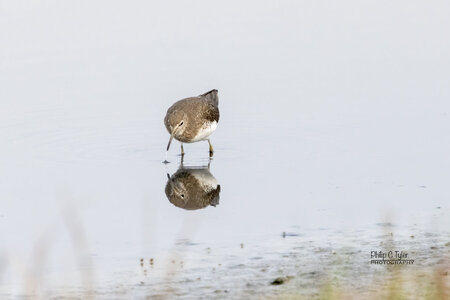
176 124
176 191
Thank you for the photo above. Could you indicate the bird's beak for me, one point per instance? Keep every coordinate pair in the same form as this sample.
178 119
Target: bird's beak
171 138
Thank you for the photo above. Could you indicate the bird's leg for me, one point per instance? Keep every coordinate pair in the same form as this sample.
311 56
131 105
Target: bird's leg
211 150
182 150
182 160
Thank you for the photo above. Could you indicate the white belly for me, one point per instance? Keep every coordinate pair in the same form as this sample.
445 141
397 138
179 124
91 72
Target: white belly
205 131
205 179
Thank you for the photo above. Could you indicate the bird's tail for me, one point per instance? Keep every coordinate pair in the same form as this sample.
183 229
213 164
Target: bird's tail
212 96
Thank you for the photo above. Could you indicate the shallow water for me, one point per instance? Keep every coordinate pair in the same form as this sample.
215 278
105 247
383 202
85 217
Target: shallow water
316 157
84 200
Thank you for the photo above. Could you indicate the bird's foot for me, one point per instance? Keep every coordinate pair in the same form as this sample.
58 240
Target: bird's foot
211 150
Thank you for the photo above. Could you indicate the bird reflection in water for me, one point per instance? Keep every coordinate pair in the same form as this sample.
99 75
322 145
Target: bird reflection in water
192 188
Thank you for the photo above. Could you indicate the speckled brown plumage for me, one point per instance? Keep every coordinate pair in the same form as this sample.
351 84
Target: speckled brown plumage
187 191
194 112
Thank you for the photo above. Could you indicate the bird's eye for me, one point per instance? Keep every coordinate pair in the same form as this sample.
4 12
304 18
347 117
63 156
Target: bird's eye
182 195
181 123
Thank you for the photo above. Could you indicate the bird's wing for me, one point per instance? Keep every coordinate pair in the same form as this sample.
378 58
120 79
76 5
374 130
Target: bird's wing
211 113
212 97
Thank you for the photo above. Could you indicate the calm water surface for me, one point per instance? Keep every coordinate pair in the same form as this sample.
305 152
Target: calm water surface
84 197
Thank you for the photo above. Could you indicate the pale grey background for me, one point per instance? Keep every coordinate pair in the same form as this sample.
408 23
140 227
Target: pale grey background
334 114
